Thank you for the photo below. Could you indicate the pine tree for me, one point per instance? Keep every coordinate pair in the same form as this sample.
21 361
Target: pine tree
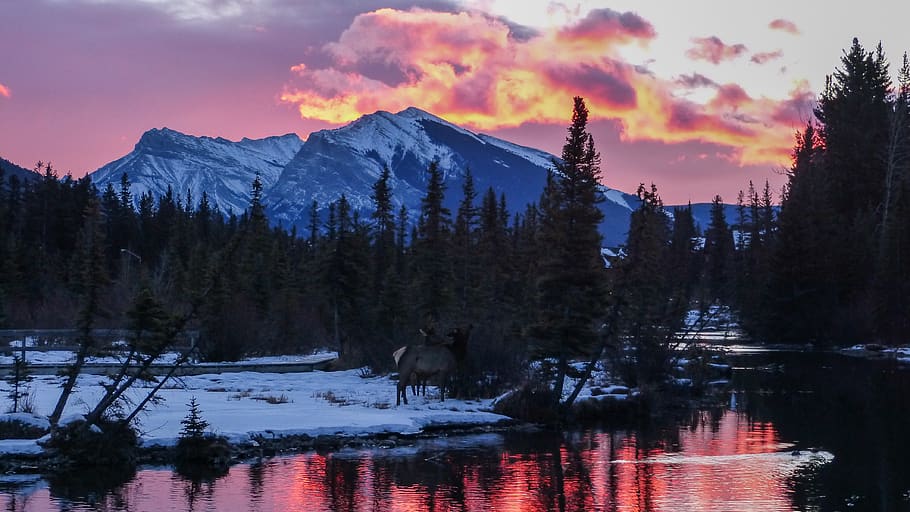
571 285
718 255
651 310
194 425
464 248
18 378
432 270
801 280
383 230
92 278
683 252
891 277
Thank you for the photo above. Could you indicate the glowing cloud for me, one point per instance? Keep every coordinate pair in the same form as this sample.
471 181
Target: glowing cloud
476 71
784 25
5 92
606 24
713 50
765 57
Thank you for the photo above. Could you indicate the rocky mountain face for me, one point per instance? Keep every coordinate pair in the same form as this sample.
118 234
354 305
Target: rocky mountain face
348 160
222 168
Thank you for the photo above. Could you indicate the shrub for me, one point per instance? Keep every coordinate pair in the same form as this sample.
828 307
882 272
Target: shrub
111 443
17 429
197 450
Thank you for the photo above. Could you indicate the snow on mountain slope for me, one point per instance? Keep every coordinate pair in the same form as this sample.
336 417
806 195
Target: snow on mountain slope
222 168
347 160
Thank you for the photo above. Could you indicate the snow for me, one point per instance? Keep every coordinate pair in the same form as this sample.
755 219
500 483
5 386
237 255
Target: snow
537 157
19 447
222 168
616 196
244 405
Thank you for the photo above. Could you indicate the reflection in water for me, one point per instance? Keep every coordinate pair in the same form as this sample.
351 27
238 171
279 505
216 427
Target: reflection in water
720 461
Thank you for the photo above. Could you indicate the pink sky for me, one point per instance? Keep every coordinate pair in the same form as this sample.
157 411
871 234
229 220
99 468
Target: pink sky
697 106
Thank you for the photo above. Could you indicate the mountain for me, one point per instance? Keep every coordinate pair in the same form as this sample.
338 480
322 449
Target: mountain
11 169
348 160
222 168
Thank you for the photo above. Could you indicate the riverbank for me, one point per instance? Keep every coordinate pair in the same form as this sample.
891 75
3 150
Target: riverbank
265 413
245 406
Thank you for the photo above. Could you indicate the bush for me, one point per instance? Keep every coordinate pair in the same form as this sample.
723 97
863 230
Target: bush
529 403
110 444
206 452
16 429
197 451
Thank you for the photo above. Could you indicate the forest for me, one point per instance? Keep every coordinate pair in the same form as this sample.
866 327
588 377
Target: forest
822 261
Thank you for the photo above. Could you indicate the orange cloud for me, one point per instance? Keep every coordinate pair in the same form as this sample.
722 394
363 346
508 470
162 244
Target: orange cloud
784 25
713 50
474 70
5 92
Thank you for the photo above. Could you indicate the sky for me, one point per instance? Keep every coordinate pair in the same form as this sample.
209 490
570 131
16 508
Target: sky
698 97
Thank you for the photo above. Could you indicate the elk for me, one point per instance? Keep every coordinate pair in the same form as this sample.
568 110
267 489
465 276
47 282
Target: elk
420 362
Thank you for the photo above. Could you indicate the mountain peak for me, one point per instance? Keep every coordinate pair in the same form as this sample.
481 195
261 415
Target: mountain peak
416 113
157 137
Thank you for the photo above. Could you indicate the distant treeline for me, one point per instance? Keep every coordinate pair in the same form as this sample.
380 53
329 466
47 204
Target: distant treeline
831 267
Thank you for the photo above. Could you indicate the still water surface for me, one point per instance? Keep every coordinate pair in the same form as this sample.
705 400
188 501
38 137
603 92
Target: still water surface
799 431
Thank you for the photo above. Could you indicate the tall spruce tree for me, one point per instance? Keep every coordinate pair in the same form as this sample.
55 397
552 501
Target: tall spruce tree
464 250
853 112
571 285
651 309
718 255
432 250
831 219
800 280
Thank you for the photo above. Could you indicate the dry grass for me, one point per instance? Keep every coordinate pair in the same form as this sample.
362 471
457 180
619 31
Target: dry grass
272 399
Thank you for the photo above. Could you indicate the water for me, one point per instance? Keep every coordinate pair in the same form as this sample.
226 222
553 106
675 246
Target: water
799 431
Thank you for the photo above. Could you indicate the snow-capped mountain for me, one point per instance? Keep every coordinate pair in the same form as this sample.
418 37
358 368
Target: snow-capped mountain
346 160
222 168
349 160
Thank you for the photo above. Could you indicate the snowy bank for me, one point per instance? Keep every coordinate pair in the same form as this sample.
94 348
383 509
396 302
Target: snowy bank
242 406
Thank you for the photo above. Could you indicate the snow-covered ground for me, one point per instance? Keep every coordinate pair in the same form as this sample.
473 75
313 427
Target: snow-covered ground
239 405
901 353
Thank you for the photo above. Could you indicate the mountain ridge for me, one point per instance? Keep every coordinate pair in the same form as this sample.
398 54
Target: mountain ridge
347 160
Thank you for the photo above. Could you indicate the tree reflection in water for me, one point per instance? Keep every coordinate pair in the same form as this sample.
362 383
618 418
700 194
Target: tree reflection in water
718 461
729 458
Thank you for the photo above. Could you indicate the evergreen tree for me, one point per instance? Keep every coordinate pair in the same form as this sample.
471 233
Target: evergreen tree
801 279
683 267
464 248
571 283
652 311
835 209
345 275
194 425
383 230
891 277
18 378
718 255
93 277
432 268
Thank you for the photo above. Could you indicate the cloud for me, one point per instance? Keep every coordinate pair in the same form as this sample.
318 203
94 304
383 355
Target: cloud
765 57
5 92
784 25
695 80
713 50
606 24
471 69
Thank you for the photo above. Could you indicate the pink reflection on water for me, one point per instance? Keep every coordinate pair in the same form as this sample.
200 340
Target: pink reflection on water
723 462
